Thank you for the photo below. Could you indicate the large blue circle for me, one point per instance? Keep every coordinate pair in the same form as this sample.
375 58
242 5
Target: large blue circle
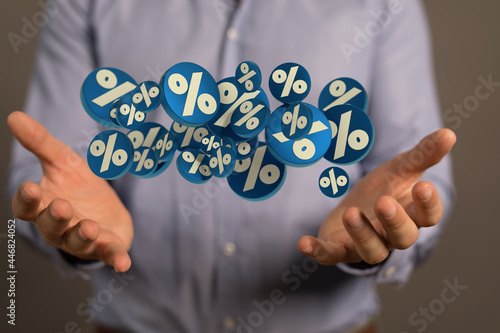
289 83
110 154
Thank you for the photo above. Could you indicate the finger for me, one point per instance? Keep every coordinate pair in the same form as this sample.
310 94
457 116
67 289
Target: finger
34 137
326 252
26 204
428 152
427 206
115 255
54 220
401 230
80 239
369 244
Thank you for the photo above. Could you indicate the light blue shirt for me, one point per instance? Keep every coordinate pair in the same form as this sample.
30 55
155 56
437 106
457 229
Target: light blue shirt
203 259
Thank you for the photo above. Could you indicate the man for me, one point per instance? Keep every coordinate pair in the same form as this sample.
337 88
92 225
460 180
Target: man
204 260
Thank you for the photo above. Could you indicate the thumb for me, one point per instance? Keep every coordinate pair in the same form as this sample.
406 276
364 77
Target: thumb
428 152
35 138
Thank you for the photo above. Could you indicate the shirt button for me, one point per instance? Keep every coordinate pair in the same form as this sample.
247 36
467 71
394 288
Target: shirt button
232 33
229 324
229 249
390 271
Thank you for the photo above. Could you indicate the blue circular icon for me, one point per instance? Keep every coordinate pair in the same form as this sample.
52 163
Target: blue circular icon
189 137
165 145
296 121
101 88
246 149
250 118
145 162
299 153
222 162
146 97
190 94
146 136
248 76
334 182
110 154
289 83
114 109
343 91
193 166
211 143
230 99
258 177
351 136
128 116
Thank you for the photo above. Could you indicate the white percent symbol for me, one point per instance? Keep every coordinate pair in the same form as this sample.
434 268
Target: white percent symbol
118 157
268 174
220 161
143 161
196 166
108 80
338 89
229 95
332 181
179 86
191 133
164 145
245 69
357 139
280 76
145 95
249 111
297 122
210 143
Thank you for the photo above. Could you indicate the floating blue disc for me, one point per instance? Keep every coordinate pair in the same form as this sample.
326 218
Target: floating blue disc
101 88
145 162
165 145
289 83
193 166
343 91
146 96
190 94
250 118
258 177
110 154
248 76
296 121
303 152
334 182
246 149
222 162
128 116
189 137
352 134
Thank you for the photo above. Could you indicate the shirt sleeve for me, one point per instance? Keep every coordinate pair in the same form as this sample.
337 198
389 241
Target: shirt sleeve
65 57
404 108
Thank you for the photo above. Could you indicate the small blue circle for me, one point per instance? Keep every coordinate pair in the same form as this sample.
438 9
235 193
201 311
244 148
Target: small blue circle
230 99
110 154
147 96
165 145
211 143
258 177
101 88
128 116
222 162
299 153
289 83
352 134
334 182
190 94
145 162
246 149
250 118
343 91
189 137
193 166
248 76
296 121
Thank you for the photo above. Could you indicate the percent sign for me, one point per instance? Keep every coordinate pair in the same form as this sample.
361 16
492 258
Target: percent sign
289 83
193 166
352 134
190 103
334 182
254 114
248 76
223 163
189 137
147 96
145 162
258 177
110 159
128 116
343 91
165 146
296 121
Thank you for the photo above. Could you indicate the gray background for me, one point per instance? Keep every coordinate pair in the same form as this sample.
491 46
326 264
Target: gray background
466 46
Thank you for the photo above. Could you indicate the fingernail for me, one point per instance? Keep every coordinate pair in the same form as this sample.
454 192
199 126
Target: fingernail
425 194
26 195
308 250
355 223
81 234
389 211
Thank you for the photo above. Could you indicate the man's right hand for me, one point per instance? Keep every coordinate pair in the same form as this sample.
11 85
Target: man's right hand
73 209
